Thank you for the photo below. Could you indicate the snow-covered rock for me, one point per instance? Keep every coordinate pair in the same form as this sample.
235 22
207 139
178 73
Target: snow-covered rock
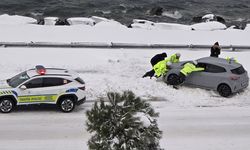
81 21
99 19
176 14
142 24
110 24
15 20
208 17
247 27
209 26
172 26
141 21
50 20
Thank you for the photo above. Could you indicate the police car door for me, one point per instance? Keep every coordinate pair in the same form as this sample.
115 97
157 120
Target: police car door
37 91
30 91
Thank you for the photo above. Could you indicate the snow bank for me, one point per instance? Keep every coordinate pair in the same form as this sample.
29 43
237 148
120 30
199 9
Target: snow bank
81 21
111 24
209 26
98 19
16 20
175 14
247 27
208 17
50 20
171 26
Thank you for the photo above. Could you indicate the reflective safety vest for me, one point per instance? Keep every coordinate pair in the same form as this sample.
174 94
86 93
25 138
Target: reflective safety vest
231 59
173 59
161 68
189 68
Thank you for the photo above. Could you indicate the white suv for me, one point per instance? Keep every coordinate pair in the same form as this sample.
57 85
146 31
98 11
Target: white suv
43 86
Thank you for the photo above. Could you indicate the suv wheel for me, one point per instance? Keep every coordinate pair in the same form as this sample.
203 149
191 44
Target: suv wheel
173 79
66 104
6 105
224 90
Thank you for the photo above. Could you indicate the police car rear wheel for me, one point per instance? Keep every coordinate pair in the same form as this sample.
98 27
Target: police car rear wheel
67 104
6 105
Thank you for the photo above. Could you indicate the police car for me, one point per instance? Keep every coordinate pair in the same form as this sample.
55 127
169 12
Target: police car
43 86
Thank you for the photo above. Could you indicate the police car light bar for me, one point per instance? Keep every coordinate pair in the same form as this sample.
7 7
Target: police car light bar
40 69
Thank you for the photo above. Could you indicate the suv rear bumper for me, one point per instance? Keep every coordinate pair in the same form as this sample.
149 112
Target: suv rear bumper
81 101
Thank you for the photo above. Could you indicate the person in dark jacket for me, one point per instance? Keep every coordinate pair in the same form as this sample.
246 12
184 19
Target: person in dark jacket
154 60
158 57
215 50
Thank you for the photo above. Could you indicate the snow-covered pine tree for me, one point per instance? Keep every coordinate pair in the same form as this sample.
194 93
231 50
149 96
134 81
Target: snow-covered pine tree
124 122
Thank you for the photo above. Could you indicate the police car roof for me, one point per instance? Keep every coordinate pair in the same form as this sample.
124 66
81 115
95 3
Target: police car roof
53 72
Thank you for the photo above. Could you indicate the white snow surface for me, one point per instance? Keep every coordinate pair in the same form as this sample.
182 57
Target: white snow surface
190 118
51 21
209 26
247 27
15 20
81 21
208 17
107 32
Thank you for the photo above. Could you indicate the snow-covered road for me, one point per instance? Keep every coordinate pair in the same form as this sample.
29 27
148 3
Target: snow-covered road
191 119
220 128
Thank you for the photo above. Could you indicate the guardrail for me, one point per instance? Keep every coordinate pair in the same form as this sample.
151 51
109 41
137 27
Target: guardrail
116 45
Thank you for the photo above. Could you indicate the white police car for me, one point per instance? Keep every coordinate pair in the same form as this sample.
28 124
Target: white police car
42 86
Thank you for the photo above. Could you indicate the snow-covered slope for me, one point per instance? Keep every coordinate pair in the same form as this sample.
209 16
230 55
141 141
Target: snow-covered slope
110 31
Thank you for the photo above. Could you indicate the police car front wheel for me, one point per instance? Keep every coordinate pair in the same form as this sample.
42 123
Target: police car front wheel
67 104
6 105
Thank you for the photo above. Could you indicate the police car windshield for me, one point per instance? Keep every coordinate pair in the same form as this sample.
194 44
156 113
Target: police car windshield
18 79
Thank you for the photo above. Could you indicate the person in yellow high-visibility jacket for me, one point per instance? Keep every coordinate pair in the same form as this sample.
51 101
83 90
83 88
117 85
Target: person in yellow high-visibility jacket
187 69
175 58
231 59
162 67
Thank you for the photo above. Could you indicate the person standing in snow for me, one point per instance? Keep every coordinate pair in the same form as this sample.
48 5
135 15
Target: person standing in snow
215 50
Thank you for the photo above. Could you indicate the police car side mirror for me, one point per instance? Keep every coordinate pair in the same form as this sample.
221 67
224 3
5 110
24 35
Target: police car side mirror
23 87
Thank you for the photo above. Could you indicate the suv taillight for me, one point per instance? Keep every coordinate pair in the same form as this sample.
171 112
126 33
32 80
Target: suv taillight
82 88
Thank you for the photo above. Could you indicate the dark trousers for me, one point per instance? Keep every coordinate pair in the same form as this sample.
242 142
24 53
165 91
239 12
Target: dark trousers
149 74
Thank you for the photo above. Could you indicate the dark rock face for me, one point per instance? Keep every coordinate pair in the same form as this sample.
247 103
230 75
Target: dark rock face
197 19
156 11
59 22
220 19
62 22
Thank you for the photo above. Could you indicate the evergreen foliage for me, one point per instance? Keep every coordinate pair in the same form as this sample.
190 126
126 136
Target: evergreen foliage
124 122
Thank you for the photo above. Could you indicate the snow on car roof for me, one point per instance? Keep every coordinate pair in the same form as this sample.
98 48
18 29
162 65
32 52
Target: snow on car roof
219 61
53 72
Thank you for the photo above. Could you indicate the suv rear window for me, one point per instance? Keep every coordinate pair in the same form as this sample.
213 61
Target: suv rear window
238 71
78 79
